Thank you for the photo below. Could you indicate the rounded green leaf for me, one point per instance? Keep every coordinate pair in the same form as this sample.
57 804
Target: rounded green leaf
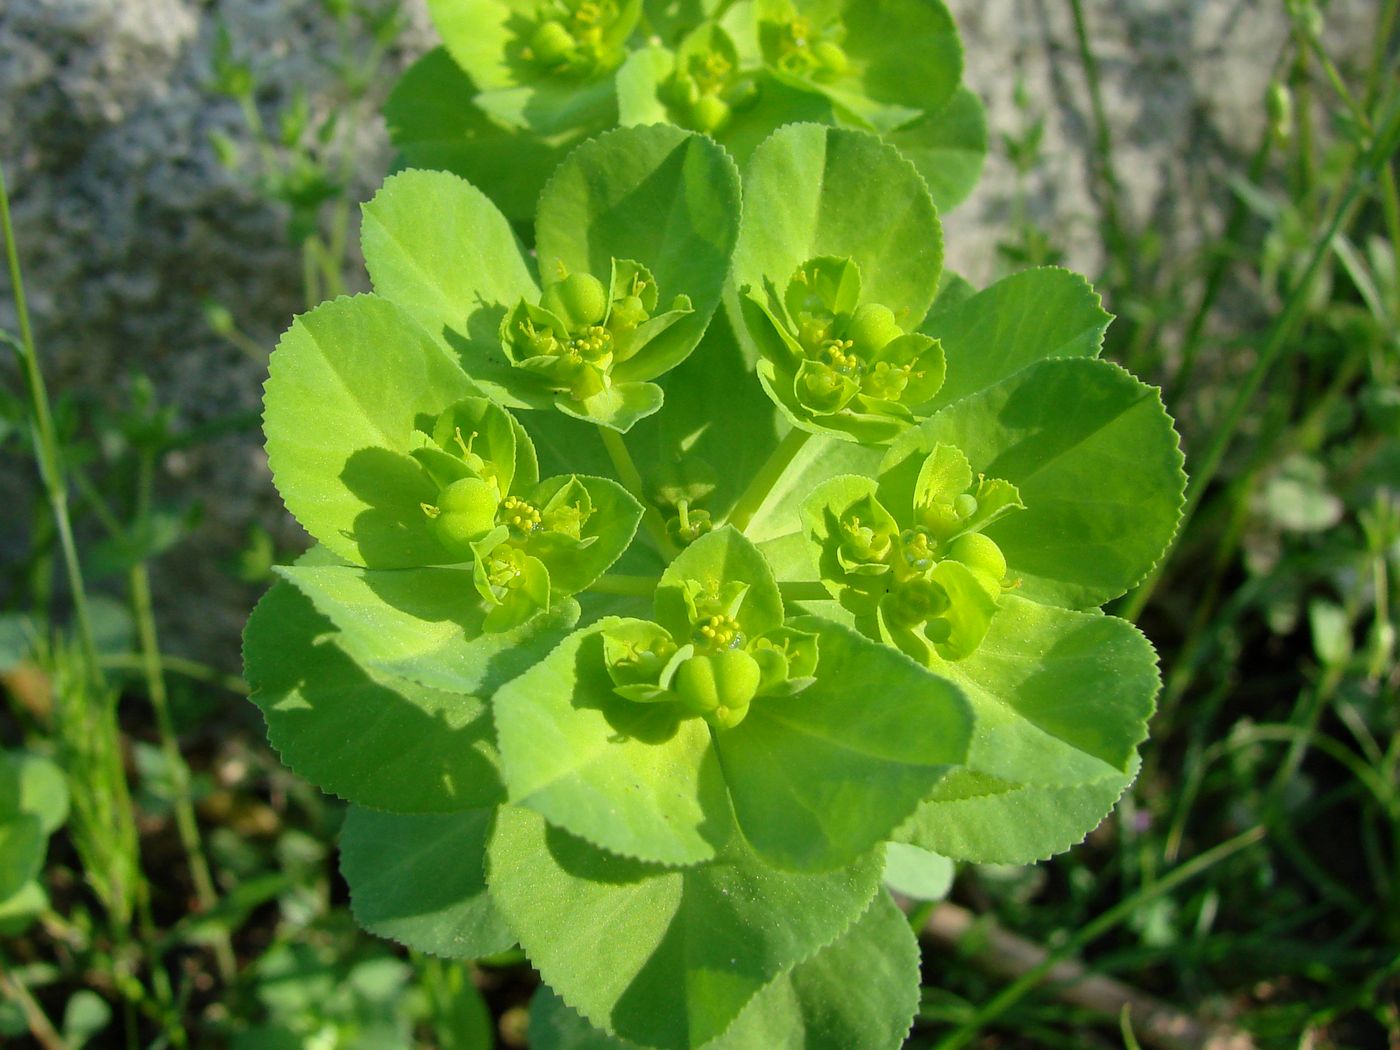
427 625
948 148
22 909
497 43
420 879
438 249
22 847
1096 461
814 1006
989 821
663 957
620 407
906 54
490 40
822 777
433 123
821 459
812 191
664 197
339 434
637 779
860 991
368 737
1030 316
917 873
35 785
1061 701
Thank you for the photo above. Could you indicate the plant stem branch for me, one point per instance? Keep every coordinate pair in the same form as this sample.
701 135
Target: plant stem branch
631 479
767 477
1004 954
186 825
191 669
40 1027
46 445
1110 191
1046 967
1203 473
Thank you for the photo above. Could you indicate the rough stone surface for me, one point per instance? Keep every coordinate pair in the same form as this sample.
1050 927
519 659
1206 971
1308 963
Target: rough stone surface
1183 85
128 221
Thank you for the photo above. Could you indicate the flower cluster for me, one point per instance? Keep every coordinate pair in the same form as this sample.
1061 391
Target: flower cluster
713 653
528 541
926 578
577 38
839 364
584 338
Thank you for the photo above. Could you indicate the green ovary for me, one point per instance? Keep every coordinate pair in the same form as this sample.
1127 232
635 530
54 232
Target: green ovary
800 47
465 511
572 37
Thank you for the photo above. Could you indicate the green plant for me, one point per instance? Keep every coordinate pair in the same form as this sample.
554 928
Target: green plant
33 805
668 766
519 83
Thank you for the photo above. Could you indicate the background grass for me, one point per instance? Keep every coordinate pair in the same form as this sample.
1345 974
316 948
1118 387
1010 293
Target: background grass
1250 880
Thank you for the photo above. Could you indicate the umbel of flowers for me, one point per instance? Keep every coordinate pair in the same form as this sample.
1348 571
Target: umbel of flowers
671 578
518 83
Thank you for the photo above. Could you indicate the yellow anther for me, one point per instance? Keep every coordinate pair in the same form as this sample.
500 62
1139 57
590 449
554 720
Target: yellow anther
519 514
718 632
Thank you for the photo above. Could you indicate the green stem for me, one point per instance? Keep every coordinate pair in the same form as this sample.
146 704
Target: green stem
1018 989
631 479
310 273
46 445
186 824
191 669
1279 334
1110 190
166 1011
634 586
38 1023
767 477
1215 279
1386 22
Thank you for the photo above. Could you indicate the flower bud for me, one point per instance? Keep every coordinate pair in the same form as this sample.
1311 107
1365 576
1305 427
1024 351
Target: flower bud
823 389
742 93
